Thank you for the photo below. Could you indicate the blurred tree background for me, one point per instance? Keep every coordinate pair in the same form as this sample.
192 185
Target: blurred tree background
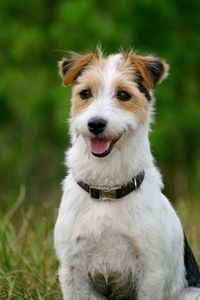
34 106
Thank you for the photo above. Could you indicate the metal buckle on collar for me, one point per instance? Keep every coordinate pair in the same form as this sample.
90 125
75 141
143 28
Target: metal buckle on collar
104 194
135 183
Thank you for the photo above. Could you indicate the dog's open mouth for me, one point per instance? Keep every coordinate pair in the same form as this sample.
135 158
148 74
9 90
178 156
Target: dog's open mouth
101 147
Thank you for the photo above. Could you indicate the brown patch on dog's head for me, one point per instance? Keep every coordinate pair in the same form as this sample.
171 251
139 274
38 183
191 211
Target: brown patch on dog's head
70 68
89 80
136 104
139 75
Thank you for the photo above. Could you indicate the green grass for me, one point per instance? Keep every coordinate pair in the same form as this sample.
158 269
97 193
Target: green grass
28 266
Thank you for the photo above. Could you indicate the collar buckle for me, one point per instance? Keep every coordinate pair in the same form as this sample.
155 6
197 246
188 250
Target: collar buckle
104 194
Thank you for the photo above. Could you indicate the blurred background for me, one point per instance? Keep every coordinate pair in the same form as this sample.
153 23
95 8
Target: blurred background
34 106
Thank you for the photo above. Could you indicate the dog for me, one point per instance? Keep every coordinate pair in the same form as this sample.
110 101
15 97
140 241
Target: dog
117 236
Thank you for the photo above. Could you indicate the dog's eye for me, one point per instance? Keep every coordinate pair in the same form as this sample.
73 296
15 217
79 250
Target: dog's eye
123 96
85 94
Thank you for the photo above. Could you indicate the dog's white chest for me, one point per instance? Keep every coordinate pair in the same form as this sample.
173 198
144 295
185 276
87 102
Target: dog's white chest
111 251
98 235
111 263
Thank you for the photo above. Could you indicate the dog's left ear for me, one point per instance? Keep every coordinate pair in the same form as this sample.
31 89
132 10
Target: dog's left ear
157 68
152 70
70 68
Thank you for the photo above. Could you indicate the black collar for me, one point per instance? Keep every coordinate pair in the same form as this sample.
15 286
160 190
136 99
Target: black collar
112 193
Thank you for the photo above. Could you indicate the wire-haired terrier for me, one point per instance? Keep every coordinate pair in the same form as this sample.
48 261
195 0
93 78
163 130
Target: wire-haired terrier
117 236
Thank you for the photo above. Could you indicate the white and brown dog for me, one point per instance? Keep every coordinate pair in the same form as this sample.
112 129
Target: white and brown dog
117 236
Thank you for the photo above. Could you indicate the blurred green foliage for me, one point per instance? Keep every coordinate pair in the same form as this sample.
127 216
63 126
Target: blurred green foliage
34 107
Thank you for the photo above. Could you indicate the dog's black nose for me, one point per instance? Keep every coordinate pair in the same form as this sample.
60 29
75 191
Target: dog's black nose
96 125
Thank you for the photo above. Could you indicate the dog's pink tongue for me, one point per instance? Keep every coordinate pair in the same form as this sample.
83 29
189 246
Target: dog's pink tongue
99 146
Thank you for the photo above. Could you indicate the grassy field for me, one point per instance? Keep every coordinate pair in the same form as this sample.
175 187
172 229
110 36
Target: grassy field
28 266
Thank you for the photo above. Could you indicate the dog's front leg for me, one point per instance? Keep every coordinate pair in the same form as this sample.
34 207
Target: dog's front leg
151 286
75 285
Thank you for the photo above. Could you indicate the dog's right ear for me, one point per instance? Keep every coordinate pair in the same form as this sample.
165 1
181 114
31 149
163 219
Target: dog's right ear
70 68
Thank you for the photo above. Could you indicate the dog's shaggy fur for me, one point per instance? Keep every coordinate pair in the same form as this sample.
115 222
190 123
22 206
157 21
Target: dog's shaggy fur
127 248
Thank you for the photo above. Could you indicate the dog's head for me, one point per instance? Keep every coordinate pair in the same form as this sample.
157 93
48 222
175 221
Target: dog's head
111 96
